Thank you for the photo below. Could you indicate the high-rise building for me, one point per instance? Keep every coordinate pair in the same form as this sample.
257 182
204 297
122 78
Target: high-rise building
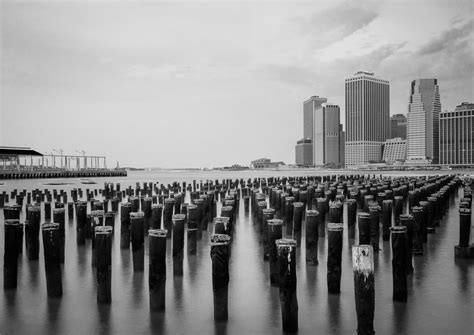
398 126
394 150
423 121
456 135
311 118
304 152
367 118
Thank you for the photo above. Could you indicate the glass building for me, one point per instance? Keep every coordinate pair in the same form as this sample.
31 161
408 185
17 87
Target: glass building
367 118
423 121
456 135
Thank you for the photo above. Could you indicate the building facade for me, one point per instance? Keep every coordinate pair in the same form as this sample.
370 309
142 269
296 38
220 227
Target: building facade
423 121
398 126
367 118
394 150
456 135
304 152
312 122
265 163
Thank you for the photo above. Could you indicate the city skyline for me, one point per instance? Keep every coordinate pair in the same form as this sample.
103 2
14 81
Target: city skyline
156 84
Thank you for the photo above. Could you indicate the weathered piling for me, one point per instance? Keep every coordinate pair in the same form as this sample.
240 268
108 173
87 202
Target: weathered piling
274 234
386 219
156 214
364 228
430 229
287 281
168 215
425 205
407 221
138 239
103 241
32 232
417 230
334 257
289 214
220 274
399 263
374 212
178 243
52 259
81 222
146 209
268 214
335 212
463 249
298 211
397 208
322 209
246 203
59 218
364 288
351 212
125 210
192 229
157 268
312 222
11 252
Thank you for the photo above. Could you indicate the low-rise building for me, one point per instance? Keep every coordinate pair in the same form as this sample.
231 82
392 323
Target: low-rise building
395 150
304 152
265 163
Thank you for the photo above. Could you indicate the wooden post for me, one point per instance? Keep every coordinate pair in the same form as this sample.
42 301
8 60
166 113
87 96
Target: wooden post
334 257
312 223
138 239
103 240
192 228
407 221
386 219
364 288
374 212
418 230
168 215
287 280
59 217
220 274
52 259
32 232
364 228
274 234
125 210
399 263
11 252
178 243
157 269
268 214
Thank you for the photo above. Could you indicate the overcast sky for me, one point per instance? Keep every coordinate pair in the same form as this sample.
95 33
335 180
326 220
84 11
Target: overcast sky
202 84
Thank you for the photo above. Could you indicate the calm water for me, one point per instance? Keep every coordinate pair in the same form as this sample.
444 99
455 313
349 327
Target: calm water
441 294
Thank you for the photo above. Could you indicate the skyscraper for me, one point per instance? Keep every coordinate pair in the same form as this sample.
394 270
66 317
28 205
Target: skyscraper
423 121
456 140
367 118
398 126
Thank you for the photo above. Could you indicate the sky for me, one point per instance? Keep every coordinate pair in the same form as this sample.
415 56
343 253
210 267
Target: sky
207 84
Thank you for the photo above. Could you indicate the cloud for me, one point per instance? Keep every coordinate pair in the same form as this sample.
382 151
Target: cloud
448 39
334 24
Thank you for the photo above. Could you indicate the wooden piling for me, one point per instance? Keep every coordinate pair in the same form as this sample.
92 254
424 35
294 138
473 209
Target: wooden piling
417 230
192 229
399 263
220 275
407 221
386 219
11 252
312 223
138 239
364 228
103 240
178 243
334 257
157 269
268 214
287 281
32 232
52 259
274 234
364 288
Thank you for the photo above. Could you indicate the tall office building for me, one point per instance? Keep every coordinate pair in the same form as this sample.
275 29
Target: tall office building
456 135
398 126
423 121
304 152
367 118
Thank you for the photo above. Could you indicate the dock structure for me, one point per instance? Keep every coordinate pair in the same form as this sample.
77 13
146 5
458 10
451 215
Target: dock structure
25 163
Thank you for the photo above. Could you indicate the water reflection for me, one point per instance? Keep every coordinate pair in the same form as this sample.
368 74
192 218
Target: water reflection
334 312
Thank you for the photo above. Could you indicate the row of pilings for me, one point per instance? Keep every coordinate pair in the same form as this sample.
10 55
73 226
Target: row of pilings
405 210
60 173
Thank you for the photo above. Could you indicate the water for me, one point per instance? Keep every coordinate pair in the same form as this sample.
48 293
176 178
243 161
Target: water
440 291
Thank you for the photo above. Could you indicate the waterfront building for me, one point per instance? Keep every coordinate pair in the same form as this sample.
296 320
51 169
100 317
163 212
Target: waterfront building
304 152
423 122
394 150
367 118
265 163
456 135
398 126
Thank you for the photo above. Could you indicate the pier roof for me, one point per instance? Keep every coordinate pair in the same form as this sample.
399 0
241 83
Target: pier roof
18 151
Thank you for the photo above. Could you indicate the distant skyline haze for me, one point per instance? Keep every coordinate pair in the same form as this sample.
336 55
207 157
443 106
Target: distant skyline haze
204 84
